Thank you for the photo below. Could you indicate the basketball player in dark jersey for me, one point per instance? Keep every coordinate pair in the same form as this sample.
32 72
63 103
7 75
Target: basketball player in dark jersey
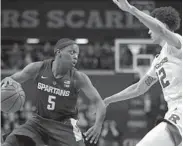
58 85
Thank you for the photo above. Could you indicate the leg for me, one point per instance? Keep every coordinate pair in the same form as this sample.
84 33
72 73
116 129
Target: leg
158 136
28 134
64 133
71 143
18 140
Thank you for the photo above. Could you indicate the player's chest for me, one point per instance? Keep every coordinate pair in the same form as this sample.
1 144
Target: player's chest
65 83
60 87
48 79
161 61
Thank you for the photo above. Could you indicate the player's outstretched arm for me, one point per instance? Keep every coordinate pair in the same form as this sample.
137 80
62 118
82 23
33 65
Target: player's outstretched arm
150 22
27 73
132 91
84 83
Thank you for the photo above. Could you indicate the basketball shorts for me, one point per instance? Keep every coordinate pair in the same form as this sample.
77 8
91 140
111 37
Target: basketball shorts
48 132
174 116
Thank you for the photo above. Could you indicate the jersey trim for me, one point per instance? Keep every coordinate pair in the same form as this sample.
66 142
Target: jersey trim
76 130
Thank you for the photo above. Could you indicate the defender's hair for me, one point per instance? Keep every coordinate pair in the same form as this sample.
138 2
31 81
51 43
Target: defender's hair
167 15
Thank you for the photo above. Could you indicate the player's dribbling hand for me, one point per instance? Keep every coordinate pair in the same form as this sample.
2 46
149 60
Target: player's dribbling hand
123 4
93 133
8 81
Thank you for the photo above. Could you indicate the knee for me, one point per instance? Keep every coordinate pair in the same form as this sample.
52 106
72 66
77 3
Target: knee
11 140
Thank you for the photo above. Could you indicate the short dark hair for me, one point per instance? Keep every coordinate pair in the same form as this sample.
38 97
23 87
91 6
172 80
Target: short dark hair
167 15
62 43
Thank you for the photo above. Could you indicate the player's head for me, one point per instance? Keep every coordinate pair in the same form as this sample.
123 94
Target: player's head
168 16
66 51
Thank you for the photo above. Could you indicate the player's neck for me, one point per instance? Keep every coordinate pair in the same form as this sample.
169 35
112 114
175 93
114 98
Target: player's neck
162 43
58 69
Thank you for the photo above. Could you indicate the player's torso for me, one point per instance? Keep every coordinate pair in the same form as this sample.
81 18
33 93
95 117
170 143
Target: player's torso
56 98
168 67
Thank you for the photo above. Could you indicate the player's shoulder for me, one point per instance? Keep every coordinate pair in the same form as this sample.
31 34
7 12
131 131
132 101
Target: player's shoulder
173 50
81 79
32 68
79 75
38 63
179 36
35 65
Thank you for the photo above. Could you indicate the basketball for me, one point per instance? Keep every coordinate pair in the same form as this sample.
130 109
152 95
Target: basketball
12 98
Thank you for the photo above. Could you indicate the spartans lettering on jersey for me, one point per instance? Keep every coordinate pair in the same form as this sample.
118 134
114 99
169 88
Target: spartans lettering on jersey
53 90
158 65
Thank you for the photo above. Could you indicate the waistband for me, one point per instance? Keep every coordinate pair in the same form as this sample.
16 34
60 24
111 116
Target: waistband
63 120
174 103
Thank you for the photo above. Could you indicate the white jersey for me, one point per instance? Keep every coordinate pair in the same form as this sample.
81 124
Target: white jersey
167 67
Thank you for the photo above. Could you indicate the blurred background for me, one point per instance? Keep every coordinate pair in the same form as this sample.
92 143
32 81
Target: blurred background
115 52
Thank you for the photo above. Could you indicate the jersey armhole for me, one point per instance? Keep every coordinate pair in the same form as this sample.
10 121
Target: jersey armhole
172 49
38 71
75 81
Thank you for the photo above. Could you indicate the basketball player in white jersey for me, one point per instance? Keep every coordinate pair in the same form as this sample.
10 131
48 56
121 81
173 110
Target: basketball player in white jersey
166 67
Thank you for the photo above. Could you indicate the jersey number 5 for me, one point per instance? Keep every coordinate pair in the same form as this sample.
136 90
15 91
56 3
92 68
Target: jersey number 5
162 75
51 102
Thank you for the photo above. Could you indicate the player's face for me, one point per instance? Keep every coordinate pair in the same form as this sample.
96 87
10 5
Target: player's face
71 53
156 38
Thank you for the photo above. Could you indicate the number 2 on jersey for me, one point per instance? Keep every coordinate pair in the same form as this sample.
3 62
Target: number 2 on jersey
162 75
51 102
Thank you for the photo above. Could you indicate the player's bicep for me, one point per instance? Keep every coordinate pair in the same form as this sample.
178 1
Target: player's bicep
27 73
172 38
91 92
87 88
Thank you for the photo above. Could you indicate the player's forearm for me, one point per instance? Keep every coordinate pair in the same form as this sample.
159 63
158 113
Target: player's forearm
128 93
100 113
150 22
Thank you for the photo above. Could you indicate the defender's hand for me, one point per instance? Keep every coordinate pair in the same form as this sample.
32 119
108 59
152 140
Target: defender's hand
123 5
93 133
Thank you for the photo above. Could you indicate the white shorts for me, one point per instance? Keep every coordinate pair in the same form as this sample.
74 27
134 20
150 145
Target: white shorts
174 116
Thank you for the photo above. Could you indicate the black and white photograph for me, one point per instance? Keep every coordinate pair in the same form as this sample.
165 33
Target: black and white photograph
91 73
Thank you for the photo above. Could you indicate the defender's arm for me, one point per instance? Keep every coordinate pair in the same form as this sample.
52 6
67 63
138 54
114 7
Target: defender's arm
132 91
153 24
158 27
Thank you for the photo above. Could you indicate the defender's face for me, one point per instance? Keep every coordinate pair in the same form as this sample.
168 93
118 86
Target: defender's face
155 37
70 54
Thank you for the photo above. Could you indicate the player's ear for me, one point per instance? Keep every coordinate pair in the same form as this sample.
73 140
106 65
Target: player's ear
59 52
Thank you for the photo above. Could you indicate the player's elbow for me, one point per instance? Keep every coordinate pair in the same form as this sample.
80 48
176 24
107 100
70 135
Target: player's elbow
100 103
102 107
